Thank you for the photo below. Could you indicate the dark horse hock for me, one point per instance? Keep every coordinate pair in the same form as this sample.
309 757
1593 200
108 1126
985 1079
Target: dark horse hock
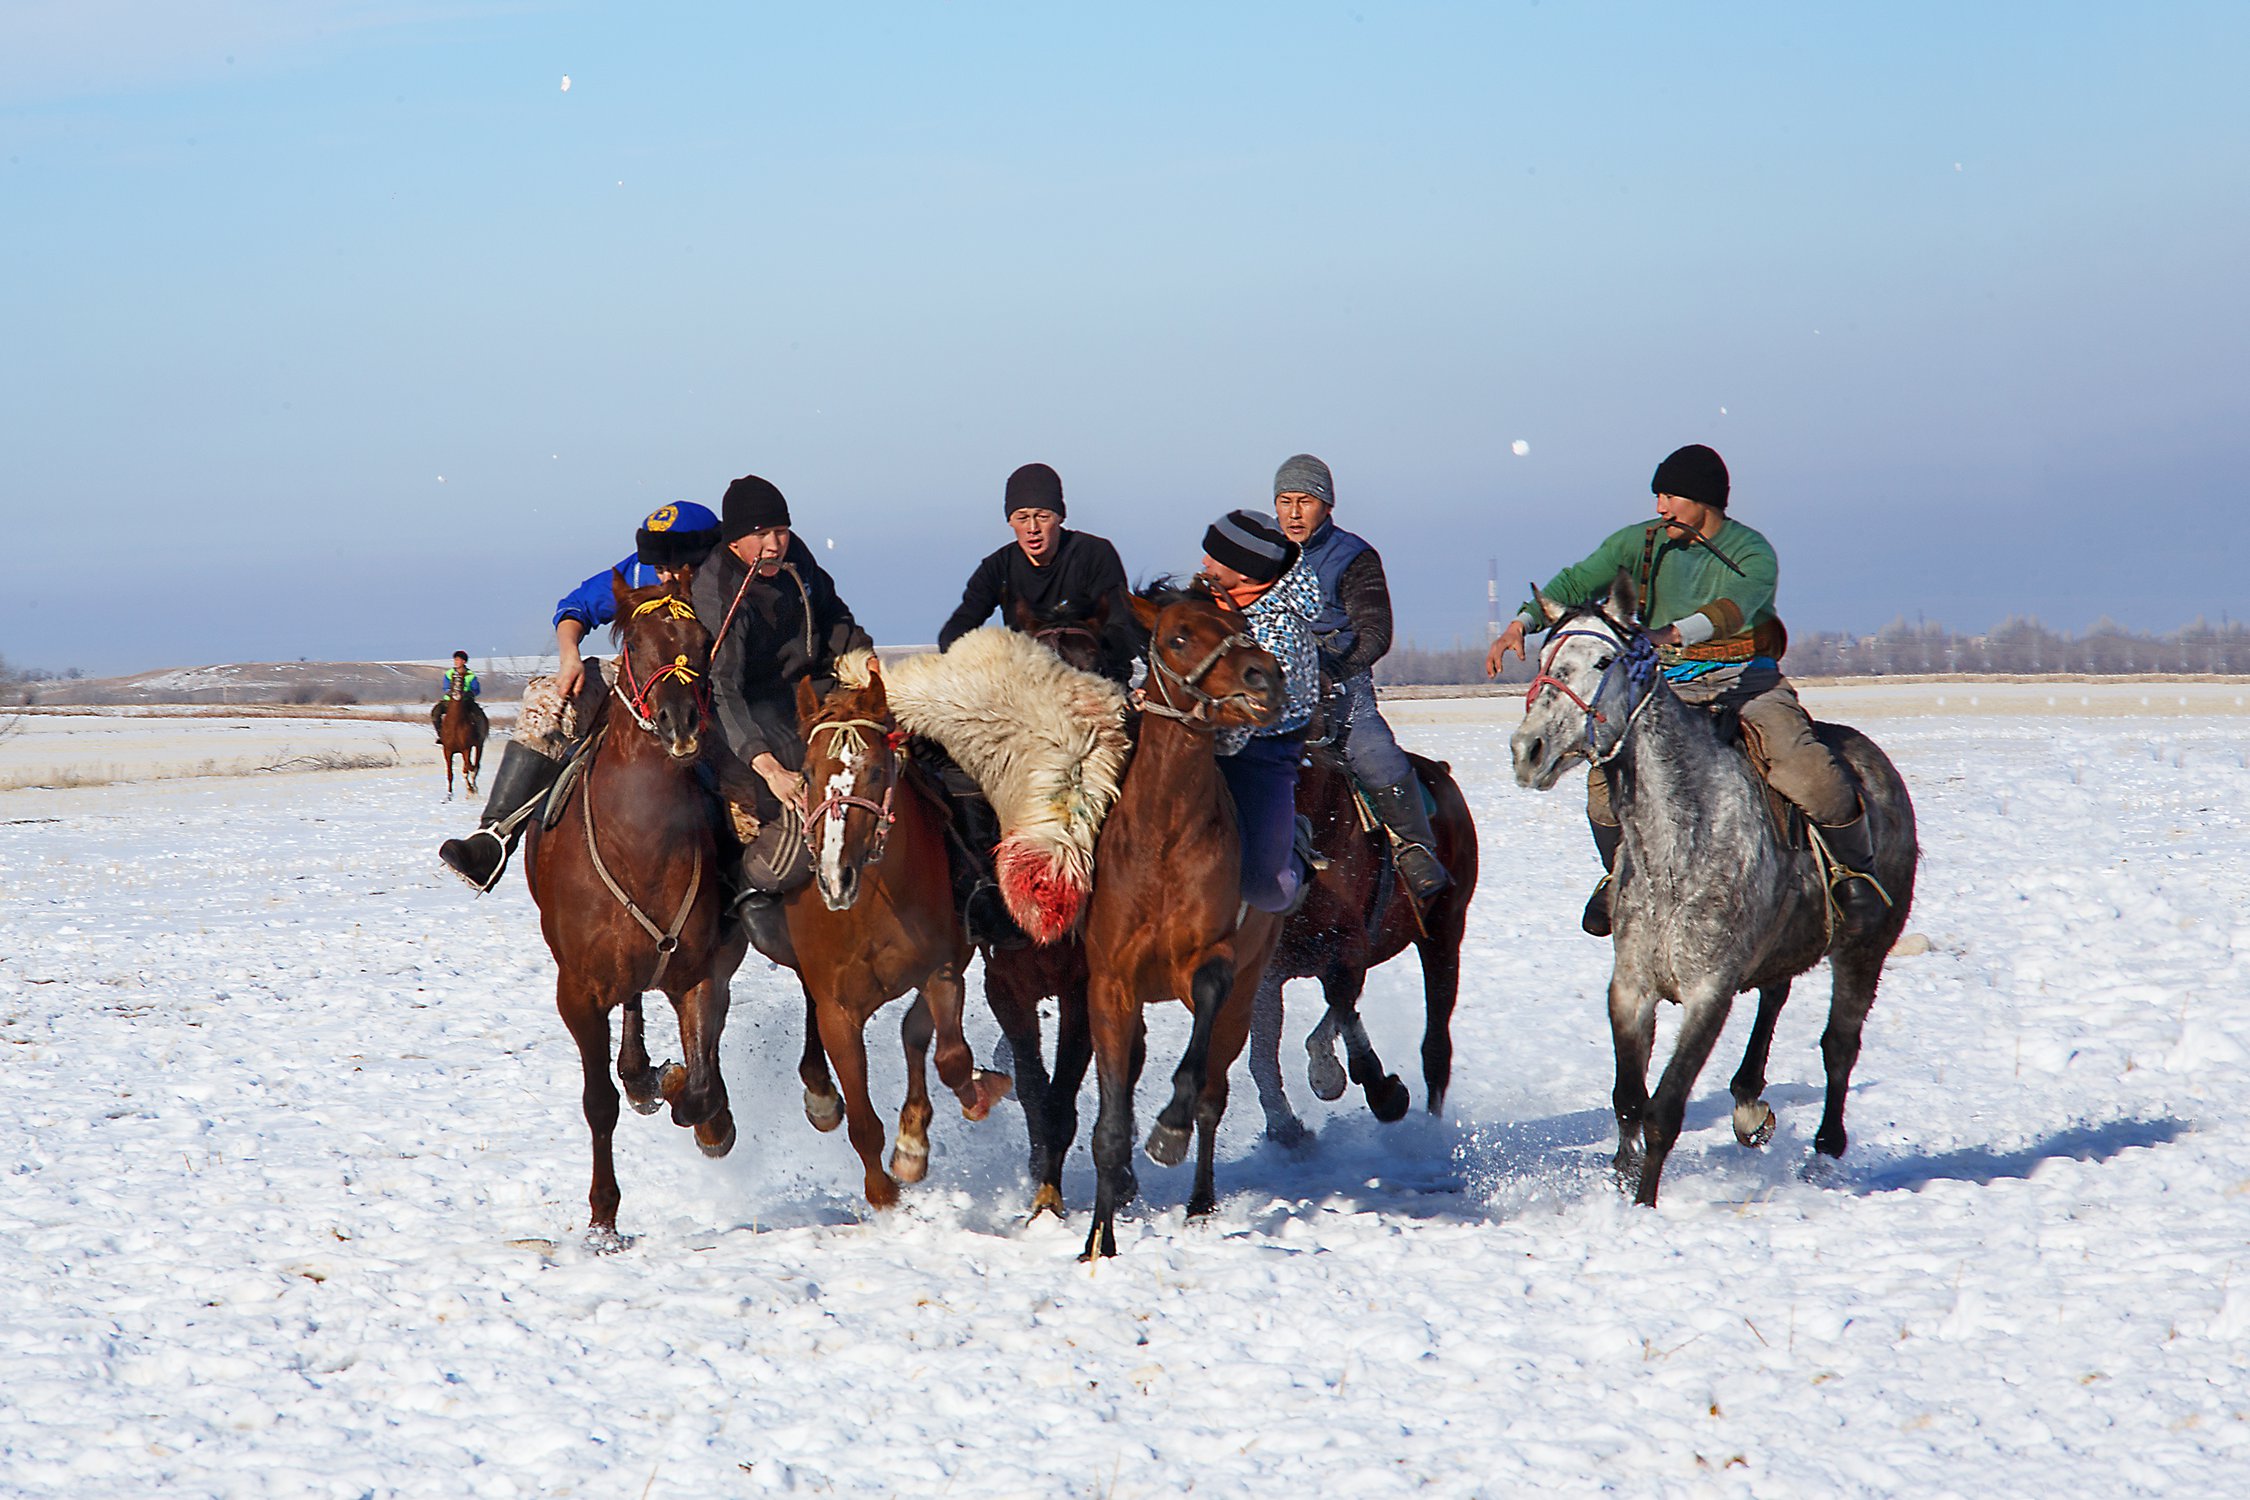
1162 922
1709 900
461 732
878 920
627 882
1359 914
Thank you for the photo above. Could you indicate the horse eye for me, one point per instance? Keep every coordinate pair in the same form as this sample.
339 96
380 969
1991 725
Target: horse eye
1603 664
1178 643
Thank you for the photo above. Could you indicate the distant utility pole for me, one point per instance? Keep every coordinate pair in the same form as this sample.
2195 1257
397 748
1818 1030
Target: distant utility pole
1492 603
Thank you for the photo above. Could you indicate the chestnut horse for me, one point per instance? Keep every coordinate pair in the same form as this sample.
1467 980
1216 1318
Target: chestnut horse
461 732
627 883
1166 920
1357 915
878 920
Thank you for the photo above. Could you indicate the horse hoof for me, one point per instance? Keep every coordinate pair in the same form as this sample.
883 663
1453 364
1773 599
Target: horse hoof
718 1148
984 1091
603 1239
1047 1200
824 1111
1167 1144
1200 1207
670 1079
910 1164
1389 1100
882 1192
1753 1123
1289 1134
1325 1075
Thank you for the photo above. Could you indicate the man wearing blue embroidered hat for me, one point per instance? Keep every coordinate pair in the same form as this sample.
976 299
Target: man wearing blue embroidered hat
669 545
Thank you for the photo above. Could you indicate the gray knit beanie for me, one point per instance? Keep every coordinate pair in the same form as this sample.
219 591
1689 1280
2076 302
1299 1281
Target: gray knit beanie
1305 475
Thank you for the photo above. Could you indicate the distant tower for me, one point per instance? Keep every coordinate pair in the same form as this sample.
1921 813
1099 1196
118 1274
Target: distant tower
1492 603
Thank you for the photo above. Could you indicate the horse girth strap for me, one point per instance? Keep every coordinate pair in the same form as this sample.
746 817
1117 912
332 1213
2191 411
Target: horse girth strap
667 941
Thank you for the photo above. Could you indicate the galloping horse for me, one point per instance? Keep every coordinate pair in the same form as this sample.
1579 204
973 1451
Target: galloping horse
1709 899
1359 914
461 732
878 920
627 885
1167 920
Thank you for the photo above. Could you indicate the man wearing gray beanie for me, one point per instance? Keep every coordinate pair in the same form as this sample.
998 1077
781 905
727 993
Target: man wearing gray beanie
1353 629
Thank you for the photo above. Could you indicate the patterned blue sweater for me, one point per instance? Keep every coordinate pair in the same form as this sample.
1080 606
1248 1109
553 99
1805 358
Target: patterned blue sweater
1282 620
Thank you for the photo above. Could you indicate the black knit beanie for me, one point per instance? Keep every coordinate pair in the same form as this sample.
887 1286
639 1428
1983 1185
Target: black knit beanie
751 504
1251 545
1692 473
1033 487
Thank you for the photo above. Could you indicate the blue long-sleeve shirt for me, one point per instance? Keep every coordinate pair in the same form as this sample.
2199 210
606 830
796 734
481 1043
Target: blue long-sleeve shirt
594 603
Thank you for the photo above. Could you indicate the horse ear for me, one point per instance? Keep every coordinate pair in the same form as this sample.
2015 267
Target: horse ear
808 701
1144 612
1098 616
1547 606
1020 617
1624 598
619 589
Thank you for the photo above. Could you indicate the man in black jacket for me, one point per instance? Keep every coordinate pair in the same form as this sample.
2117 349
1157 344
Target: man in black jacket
1057 574
775 618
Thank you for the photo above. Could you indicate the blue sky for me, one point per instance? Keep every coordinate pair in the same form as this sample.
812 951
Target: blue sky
1957 291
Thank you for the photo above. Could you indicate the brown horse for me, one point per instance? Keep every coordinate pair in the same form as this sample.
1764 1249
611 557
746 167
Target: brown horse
461 732
1166 920
1357 915
878 920
627 884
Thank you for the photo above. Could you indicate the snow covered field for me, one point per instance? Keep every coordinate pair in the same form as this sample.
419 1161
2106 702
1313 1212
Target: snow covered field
297 1179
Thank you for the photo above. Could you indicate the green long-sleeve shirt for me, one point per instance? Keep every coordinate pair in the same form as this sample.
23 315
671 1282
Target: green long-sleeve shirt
1688 580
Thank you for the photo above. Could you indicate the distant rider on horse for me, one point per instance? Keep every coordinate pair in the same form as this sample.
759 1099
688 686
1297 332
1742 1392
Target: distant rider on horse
1264 575
458 682
1059 575
669 542
1353 629
1706 585
775 619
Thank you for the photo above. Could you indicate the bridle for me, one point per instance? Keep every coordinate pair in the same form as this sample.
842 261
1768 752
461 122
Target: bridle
636 701
855 733
1634 664
1204 715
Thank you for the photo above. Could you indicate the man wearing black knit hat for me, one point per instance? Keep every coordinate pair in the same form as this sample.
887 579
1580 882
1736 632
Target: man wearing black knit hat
1706 585
1059 576
775 619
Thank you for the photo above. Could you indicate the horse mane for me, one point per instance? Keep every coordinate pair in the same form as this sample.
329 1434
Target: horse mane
1166 589
856 668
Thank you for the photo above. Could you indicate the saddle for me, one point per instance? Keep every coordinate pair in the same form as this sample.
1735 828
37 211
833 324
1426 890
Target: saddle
1789 821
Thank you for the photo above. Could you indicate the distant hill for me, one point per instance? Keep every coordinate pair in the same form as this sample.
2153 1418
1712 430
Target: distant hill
285 682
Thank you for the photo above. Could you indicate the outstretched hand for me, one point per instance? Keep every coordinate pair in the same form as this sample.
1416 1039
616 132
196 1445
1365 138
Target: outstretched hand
1510 639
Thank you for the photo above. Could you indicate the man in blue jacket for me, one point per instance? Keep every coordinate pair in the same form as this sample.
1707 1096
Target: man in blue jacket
672 541
1354 631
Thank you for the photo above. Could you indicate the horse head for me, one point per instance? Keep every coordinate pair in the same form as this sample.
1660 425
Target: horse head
663 654
1205 667
852 775
1076 637
1596 668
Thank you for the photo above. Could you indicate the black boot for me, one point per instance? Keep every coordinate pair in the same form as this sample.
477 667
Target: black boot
1309 862
522 779
1851 881
768 925
1607 836
1400 807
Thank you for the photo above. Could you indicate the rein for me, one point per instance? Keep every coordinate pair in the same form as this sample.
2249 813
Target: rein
1203 716
667 940
854 732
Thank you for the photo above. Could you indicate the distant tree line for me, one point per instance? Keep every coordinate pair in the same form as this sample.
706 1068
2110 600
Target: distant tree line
2017 646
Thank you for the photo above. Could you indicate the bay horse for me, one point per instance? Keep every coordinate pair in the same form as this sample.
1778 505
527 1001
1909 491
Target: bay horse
877 920
1166 919
1708 900
627 884
1359 914
462 729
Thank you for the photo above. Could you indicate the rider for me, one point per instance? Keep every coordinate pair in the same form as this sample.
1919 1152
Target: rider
1707 593
775 619
671 541
1058 574
1264 574
1354 631
458 682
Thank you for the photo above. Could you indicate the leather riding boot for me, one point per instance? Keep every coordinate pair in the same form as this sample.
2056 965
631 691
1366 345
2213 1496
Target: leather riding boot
768 925
1607 838
1400 807
976 888
1851 848
523 776
1309 863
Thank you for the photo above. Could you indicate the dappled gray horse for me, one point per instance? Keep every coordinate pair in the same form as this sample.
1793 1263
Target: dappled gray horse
1709 901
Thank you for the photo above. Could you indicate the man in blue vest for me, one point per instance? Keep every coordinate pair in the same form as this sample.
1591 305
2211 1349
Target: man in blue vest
1354 631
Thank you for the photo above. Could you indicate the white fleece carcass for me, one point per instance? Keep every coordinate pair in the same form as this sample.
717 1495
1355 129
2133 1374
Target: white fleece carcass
1046 742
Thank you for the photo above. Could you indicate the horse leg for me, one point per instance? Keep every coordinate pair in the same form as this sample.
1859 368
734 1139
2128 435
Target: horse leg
1266 1016
1168 1137
633 1068
1017 1011
1706 1008
1753 1117
1441 987
582 1012
844 1034
1632 1031
1113 1018
977 1088
1227 1037
1074 1051
910 1158
698 1092
1387 1097
824 1107
1853 977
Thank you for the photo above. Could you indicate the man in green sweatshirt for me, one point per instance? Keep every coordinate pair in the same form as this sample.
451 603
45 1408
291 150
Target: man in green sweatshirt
1707 590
